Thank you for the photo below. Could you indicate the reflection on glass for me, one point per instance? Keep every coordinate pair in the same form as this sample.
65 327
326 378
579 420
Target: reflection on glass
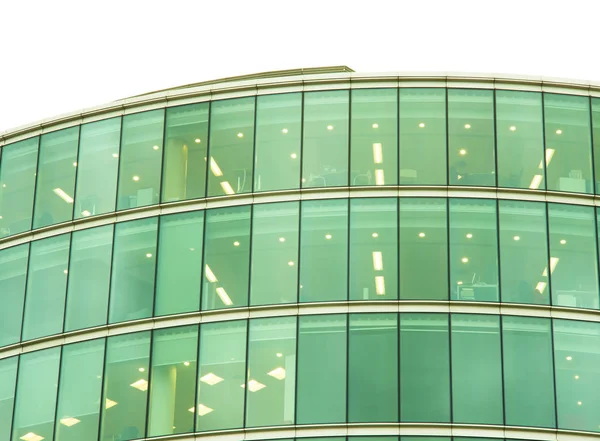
184 166
374 141
278 138
173 381
423 249
17 185
321 393
141 157
13 277
56 171
568 144
274 273
8 377
520 139
325 139
473 250
471 137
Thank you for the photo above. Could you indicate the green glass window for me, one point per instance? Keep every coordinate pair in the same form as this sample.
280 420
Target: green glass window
80 391
568 143
274 273
231 145
424 368
596 139
423 137
134 264
173 381
528 372
523 252
324 250
270 390
473 250
325 146
141 158
13 277
374 140
35 401
423 249
184 163
17 176
97 167
520 139
373 368
471 137
8 377
125 387
56 177
226 258
89 278
278 138
476 369
321 389
46 287
374 249
179 263
577 374
222 373
573 256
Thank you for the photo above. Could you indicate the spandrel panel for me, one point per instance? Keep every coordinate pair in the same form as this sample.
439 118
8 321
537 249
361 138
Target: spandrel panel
13 279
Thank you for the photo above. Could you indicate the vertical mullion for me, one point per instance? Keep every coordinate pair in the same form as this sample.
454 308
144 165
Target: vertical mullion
122 129
499 269
247 376
76 172
592 145
495 147
447 117
15 390
35 184
162 160
448 297
156 251
205 216
149 390
544 166
197 382
103 390
553 370
64 319
25 290
208 157
348 150
253 161
60 362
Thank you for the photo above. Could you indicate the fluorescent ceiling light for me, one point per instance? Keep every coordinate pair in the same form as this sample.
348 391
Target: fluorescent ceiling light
197 140
110 403
377 153
214 167
226 186
202 409
553 263
540 287
549 155
240 135
141 384
380 285
254 386
284 131
85 213
69 421
379 179
211 379
377 261
63 195
375 126
32 437
209 274
223 296
535 182
278 373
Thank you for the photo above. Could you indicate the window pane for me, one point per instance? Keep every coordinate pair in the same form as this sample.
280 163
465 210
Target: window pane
132 286
523 252
97 167
596 138
373 368
568 143
222 371
17 175
173 384
46 287
528 372
125 387
36 395
321 393
519 134
424 368
473 250
573 256
373 249
274 275
374 150
270 394
278 135
13 276
324 251
80 391
476 369
8 377
141 157
325 148
471 137
423 136
179 263
226 258
577 374
184 165
423 248
89 278
231 139
56 177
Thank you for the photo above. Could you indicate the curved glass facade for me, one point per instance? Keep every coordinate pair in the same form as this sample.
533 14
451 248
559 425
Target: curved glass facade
387 262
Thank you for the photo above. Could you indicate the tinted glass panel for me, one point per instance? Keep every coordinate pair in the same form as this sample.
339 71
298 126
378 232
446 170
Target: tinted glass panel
13 276
8 377
278 137
325 147
184 167
596 139
56 177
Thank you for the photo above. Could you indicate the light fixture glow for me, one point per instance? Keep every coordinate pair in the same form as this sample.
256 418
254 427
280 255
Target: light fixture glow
375 126
421 125
284 131
211 379
254 386
569 358
202 409
223 296
576 377
579 403
209 274
459 282
197 140
549 155
379 179
512 128
559 132
155 147
328 236
462 152
282 239
421 234
377 261
148 255
375 235
186 363
85 213
516 238
110 403
540 287
467 126
236 244
535 182
115 155
240 135
293 156
469 235
141 384
141 369
278 373
32 437
553 263
291 263
63 195
379 285
136 178
377 153
329 127
66 271
563 241
74 164
69 421
226 186
279 355
464 260
214 167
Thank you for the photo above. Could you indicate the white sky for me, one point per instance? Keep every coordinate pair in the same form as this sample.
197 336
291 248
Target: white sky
58 56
